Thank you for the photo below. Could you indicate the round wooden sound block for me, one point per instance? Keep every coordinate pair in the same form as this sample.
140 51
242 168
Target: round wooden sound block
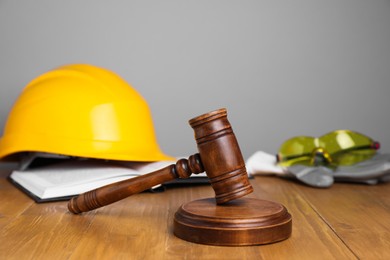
241 222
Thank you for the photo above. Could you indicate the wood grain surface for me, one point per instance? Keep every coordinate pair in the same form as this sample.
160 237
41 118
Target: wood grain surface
346 221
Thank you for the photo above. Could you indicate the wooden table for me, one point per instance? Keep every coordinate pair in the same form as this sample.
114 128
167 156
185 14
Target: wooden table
346 221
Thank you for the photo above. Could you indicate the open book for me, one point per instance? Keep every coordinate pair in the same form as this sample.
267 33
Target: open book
63 180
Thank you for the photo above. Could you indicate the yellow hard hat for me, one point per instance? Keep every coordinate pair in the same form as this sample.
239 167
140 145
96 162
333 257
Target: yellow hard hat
85 111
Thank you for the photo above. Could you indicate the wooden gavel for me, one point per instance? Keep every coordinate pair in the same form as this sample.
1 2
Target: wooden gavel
219 156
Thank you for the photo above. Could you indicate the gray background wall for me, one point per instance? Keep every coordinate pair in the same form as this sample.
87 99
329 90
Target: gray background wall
281 68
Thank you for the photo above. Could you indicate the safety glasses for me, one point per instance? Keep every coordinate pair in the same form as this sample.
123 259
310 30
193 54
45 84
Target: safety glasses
341 147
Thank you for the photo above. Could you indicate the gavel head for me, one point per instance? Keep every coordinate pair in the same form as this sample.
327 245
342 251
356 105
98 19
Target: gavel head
221 156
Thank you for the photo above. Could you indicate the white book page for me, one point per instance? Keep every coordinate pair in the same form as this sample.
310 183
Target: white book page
75 177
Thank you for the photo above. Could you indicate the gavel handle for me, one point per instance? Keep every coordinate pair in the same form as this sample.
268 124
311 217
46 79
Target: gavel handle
117 191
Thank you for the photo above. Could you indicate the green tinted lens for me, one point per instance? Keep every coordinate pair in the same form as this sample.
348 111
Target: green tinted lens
352 157
350 147
344 140
303 160
296 150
